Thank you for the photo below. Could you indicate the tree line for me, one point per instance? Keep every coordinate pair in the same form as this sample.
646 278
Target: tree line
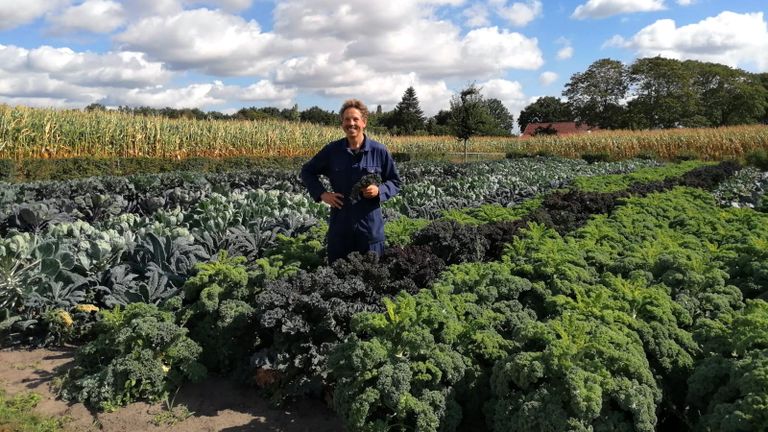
656 93
407 118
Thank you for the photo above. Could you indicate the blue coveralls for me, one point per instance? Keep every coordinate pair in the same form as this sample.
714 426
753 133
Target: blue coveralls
359 226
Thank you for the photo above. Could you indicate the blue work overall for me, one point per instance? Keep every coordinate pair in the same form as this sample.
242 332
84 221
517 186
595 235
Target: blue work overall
356 226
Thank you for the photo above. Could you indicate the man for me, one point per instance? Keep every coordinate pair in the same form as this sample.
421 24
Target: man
355 224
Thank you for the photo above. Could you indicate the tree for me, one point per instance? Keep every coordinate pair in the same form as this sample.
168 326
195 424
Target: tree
547 109
503 122
663 93
408 116
320 116
728 96
763 79
596 95
469 115
95 107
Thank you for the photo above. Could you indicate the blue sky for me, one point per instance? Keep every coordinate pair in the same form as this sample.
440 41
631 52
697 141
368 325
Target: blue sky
226 54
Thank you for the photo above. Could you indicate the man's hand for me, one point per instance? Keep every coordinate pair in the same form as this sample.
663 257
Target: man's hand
371 191
333 199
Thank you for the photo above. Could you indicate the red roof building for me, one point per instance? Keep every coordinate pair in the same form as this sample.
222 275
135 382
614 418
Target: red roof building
557 128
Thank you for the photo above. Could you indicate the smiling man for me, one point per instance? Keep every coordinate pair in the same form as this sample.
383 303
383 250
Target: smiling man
356 166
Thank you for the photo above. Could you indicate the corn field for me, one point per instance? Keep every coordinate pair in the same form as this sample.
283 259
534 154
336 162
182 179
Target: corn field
703 143
49 133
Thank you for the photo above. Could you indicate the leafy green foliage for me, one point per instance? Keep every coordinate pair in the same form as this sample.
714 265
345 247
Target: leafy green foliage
420 364
219 314
617 182
728 391
575 373
17 415
400 231
139 354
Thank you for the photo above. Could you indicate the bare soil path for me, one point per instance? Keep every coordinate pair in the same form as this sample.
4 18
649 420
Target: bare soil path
216 404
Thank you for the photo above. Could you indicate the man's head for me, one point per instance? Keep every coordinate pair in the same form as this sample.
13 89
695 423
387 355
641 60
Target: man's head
354 117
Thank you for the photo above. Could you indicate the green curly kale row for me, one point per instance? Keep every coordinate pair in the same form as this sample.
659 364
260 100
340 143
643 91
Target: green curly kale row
140 354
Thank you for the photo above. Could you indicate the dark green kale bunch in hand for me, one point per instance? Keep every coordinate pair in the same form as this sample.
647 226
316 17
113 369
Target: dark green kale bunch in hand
367 180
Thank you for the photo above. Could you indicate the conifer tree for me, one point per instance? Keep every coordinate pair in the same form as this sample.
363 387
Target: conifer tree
408 116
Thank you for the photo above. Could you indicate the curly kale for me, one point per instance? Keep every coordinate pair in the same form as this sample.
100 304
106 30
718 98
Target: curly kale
575 373
728 391
140 354
424 363
355 194
453 242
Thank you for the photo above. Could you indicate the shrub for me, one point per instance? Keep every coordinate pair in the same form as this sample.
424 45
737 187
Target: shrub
758 159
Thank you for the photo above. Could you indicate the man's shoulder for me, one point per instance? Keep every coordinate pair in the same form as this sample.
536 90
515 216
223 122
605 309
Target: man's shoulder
375 145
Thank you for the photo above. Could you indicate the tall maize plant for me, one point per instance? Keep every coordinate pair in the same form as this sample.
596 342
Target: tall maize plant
49 133
704 143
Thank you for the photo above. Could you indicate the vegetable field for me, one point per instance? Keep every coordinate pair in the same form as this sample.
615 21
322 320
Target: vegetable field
532 294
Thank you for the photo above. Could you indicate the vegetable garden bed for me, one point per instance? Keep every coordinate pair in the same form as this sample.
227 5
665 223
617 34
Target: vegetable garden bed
511 297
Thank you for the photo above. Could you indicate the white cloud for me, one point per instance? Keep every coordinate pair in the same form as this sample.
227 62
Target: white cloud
519 14
387 91
476 15
686 2
263 91
137 9
605 8
547 78
111 69
97 16
211 41
194 95
565 53
227 5
729 38
17 13
497 51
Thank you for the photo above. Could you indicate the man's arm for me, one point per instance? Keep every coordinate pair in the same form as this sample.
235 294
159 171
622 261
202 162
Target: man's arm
390 178
311 171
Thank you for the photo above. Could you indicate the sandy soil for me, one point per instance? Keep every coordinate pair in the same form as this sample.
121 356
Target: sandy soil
217 404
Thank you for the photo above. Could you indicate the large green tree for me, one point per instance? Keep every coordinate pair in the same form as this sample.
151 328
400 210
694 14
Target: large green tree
596 94
320 116
663 93
502 120
728 96
408 117
547 109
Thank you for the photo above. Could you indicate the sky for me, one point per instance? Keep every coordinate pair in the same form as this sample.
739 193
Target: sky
223 55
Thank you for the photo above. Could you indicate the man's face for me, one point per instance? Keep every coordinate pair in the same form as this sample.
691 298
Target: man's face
352 122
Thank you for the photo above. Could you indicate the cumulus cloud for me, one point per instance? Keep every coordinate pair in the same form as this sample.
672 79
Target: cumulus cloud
97 16
17 13
547 78
566 51
111 69
262 91
686 2
210 41
729 38
605 8
518 14
476 15
500 50
227 5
